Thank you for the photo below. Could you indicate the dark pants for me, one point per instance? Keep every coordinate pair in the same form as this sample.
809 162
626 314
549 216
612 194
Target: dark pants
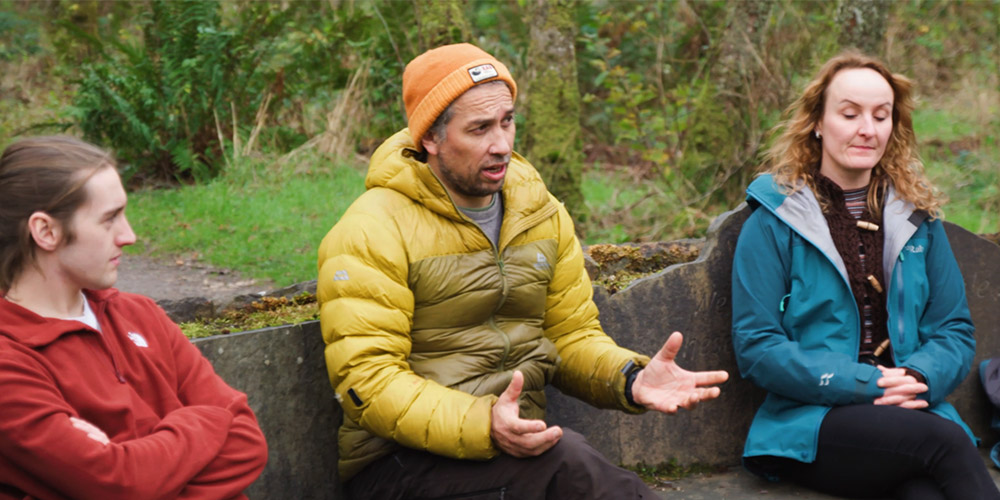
571 469
868 451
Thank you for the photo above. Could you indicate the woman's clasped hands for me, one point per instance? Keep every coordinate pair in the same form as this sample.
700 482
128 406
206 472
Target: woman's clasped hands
901 389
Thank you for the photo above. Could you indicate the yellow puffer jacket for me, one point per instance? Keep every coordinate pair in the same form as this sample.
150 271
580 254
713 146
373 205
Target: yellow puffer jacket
425 321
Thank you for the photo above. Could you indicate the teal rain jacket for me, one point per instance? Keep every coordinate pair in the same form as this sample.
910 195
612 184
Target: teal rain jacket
796 326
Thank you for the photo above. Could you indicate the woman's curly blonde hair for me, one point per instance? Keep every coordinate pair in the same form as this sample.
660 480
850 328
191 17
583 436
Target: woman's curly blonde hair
795 157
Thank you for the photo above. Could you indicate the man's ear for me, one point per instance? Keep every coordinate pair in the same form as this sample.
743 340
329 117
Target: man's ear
45 230
429 144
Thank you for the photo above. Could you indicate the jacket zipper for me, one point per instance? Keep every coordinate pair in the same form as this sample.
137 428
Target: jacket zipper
503 299
107 348
900 313
515 229
504 291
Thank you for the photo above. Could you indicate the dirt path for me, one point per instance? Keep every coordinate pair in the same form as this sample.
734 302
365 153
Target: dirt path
169 279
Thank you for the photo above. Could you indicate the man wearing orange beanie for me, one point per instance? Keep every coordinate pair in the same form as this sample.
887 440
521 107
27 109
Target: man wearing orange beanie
452 291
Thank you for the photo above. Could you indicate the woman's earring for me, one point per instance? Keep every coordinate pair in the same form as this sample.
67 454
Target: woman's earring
818 135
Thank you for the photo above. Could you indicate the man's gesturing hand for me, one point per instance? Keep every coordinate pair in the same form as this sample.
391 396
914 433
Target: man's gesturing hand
664 386
514 435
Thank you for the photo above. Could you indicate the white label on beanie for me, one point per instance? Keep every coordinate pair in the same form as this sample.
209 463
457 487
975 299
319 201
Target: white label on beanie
482 72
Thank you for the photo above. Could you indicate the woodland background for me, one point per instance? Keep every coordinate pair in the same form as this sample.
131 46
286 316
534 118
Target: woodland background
243 127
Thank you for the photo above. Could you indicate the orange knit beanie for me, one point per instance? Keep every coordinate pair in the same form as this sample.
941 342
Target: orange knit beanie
434 79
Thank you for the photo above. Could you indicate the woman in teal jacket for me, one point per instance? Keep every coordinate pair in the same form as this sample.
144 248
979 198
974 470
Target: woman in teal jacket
848 305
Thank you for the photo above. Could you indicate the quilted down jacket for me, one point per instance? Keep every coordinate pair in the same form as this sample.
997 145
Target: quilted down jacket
425 320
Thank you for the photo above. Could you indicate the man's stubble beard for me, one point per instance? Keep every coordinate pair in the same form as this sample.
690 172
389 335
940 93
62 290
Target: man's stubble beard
469 187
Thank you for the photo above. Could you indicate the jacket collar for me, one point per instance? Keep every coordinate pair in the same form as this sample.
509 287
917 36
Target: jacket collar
901 220
801 211
24 326
394 166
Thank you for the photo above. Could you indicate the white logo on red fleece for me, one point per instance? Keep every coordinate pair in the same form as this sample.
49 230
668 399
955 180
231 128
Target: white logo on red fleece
138 339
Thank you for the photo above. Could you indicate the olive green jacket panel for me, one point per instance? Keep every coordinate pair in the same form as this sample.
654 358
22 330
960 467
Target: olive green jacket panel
425 320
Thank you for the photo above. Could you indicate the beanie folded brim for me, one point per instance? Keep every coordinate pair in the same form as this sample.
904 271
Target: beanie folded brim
433 80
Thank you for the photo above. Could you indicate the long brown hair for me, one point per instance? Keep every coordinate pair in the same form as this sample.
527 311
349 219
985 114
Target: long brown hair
41 174
795 157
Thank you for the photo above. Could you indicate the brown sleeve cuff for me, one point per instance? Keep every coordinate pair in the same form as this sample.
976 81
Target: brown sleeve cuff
917 375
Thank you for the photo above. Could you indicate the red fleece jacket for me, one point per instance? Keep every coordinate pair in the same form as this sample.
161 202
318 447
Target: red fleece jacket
176 429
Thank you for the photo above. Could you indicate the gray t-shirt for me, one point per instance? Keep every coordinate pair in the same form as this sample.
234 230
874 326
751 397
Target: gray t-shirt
489 218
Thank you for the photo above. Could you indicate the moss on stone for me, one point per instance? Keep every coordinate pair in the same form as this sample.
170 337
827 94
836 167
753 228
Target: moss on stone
661 475
263 313
619 281
619 265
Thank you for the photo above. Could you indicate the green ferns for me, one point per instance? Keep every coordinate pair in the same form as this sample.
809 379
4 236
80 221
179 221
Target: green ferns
166 100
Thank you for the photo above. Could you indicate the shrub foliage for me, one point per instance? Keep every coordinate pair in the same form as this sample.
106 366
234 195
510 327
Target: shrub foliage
677 96
166 100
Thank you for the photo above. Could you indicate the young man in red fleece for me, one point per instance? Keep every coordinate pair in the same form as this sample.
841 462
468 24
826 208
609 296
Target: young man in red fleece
101 396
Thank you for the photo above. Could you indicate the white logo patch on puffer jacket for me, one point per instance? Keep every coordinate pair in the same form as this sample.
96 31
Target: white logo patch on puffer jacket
541 263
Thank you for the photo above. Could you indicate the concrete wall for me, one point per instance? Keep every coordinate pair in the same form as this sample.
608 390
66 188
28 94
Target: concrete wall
692 298
282 370
979 261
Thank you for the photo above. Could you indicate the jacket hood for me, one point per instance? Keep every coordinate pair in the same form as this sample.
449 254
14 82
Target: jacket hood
801 211
26 327
394 166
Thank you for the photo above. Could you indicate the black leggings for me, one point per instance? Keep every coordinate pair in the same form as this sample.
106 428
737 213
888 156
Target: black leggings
868 451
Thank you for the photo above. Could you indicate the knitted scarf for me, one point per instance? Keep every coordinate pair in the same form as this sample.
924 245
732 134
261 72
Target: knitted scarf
851 241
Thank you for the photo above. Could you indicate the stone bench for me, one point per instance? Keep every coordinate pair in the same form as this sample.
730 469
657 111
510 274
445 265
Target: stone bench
283 372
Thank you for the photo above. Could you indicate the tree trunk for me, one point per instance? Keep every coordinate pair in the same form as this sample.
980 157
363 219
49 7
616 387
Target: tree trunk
552 138
724 130
862 25
441 22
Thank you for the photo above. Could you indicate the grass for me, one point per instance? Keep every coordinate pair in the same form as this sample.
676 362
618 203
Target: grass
269 228
962 158
614 204
624 208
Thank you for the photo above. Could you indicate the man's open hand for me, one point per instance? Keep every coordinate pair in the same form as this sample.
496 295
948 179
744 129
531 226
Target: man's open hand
514 435
664 386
